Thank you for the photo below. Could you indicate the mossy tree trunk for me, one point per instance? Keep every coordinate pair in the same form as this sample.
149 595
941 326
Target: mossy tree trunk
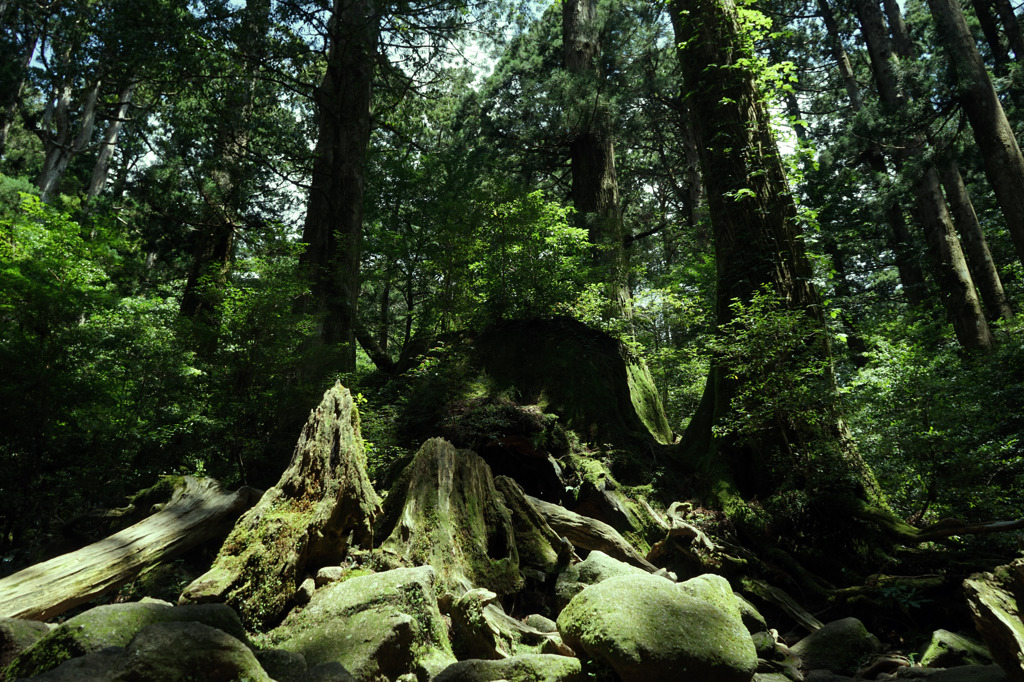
801 445
323 505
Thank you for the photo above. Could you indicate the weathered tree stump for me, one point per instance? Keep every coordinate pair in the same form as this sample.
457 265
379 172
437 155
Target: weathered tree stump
587 533
322 505
198 511
444 511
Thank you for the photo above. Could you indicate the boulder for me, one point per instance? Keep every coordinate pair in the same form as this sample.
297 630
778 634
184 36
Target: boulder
542 623
992 598
596 567
167 652
114 625
16 635
288 666
649 628
378 626
522 668
948 649
840 646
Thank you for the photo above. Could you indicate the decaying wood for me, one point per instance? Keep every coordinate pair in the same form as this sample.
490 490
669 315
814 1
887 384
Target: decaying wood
198 511
950 527
540 547
588 533
322 505
446 512
774 595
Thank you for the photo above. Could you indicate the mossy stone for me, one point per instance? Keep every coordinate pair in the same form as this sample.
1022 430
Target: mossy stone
522 668
648 628
947 649
377 626
167 652
840 646
114 625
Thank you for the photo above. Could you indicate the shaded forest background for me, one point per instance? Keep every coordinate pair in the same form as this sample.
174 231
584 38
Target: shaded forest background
210 211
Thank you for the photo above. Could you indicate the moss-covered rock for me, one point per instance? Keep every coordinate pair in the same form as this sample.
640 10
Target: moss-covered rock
16 635
840 646
522 668
596 567
649 628
993 598
115 625
947 649
378 626
167 652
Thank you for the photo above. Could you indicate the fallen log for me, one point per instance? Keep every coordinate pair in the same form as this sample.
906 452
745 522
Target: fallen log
198 511
587 533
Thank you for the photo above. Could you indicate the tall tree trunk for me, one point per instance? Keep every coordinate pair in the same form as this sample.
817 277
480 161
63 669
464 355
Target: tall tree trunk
948 263
757 243
102 167
59 155
334 214
983 268
595 189
11 107
900 240
1000 56
1004 164
1012 28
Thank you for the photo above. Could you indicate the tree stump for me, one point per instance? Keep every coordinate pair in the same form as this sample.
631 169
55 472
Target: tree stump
444 511
323 504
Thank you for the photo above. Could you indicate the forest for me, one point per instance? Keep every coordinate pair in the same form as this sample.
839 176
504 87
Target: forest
741 271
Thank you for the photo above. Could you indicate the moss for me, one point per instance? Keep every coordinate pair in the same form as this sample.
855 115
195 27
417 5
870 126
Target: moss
113 625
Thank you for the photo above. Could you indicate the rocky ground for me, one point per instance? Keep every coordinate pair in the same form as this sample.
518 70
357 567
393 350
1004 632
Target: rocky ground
460 575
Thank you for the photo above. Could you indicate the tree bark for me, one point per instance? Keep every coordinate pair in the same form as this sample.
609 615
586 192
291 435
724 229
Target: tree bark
197 512
595 189
61 148
102 166
590 534
900 240
989 28
948 263
322 505
757 243
334 214
11 108
983 268
1004 164
1012 27
445 511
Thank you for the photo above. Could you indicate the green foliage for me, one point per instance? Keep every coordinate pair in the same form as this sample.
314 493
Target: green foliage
935 427
774 353
105 389
531 262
